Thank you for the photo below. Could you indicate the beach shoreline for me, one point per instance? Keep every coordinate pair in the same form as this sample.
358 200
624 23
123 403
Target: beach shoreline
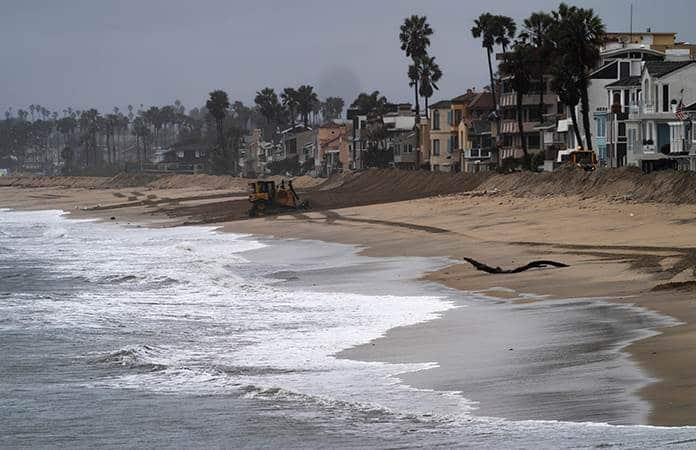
626 273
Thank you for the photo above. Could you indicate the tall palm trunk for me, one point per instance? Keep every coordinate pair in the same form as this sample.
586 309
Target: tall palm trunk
490 74
415 91
541 96
576 130
586 114
520 124
418 146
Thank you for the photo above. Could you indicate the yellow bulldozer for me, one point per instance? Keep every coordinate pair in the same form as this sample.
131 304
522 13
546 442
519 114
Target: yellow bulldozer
268 198
579 157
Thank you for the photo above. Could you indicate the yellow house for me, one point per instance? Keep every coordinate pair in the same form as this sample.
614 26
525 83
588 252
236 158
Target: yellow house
449 137
445 117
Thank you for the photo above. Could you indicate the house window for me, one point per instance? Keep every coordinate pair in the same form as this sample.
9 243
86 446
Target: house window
617 98
436 119
624 70
450 118
457 116
622 129
647 131
646 91
632 140
436 147
627 101
665 98
533 141
601 127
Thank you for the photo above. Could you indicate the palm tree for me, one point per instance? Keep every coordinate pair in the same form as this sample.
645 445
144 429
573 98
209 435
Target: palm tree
90 121
269 105
153 117
565 82
504 31
290 100
316 109
516 66
217 105
578 34
373 104
306 102
415 40
430 75
142 133
332 108
536 31
110 125
484 28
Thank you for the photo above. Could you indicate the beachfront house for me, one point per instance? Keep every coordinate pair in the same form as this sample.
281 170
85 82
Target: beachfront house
622 57
401 137
444 119
334 140
650 122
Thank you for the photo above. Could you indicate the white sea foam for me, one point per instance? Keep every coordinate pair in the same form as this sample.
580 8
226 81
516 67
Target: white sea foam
207 320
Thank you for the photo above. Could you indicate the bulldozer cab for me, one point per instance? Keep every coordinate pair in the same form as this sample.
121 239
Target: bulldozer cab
585 159
261 191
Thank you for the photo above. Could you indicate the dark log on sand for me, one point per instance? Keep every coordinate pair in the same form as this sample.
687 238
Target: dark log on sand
532 265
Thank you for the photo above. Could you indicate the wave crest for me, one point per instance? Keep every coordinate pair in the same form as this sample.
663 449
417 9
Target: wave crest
133 357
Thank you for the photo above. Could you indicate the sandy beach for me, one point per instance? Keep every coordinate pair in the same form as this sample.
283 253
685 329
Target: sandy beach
618 249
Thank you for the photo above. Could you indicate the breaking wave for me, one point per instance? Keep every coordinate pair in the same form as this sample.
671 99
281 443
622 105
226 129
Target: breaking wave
133 357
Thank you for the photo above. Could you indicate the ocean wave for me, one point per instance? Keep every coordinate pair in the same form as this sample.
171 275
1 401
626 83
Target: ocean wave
158 281
369 412
142 357
253 370
55 233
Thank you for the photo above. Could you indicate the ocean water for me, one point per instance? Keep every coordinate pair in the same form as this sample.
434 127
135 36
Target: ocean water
117 336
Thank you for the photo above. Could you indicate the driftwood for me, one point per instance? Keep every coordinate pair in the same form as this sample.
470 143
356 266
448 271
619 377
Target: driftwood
532 265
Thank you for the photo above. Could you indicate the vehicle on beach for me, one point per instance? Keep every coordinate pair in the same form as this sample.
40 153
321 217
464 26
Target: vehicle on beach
267 198
579 157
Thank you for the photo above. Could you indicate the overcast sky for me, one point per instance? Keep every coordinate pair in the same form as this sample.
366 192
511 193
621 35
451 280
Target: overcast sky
105 53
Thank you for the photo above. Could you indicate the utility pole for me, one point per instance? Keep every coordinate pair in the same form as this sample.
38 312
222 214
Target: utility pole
631 25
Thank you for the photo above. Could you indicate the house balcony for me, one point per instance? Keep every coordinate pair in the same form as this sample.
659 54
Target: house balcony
477 153
406 157
649 147
509 99
509 126
648 111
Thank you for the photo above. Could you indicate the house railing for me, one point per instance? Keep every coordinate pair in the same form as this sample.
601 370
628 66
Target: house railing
477 153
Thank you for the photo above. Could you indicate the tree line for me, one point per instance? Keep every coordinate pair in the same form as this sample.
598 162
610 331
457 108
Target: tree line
90 141
563 44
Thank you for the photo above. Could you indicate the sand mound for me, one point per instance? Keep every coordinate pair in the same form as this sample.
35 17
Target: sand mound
390 185
151 181
41 181
627 183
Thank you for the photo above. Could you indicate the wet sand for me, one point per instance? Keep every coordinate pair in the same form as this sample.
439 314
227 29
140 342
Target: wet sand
615 249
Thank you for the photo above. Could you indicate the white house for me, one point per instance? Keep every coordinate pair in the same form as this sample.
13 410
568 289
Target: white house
644 128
